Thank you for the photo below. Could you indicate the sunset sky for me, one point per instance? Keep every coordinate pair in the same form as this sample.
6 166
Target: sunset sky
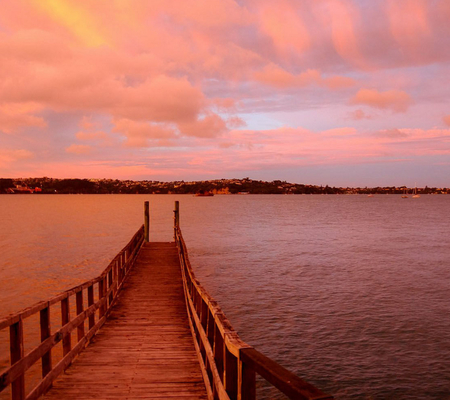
337 92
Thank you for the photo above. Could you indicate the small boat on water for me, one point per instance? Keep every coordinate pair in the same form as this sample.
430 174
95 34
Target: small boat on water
415 195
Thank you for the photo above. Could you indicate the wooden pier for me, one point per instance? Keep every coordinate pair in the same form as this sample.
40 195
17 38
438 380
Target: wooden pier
144 329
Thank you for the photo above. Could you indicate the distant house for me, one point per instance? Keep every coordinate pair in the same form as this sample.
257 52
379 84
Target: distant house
19 189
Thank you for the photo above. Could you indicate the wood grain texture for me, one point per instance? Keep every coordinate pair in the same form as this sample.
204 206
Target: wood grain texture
145 349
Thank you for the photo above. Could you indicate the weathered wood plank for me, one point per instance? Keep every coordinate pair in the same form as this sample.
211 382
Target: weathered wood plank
145 348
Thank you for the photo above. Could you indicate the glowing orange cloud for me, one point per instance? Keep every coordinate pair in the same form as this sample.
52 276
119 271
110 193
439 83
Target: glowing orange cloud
274 75
76 19
395 100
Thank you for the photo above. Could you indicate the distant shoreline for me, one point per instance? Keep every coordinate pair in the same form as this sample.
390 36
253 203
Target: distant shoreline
219 186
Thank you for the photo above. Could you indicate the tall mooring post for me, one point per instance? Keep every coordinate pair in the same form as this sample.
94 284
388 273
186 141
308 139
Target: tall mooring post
176 218
146 221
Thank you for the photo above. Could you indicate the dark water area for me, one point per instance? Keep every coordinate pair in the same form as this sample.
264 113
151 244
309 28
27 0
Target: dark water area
349 292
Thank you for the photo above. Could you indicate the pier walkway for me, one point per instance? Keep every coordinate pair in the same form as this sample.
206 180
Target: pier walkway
145 349
144 329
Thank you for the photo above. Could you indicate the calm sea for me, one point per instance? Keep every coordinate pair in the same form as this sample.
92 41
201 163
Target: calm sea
351 293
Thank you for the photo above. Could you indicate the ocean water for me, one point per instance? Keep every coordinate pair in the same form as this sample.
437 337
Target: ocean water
351 293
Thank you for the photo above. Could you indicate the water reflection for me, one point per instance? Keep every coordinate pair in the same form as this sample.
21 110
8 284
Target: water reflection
348 292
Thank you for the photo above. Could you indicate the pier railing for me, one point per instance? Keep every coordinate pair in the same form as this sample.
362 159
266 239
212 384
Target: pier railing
100 293
229 365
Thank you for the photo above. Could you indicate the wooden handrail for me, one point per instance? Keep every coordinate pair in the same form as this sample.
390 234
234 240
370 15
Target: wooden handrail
229 365
109 283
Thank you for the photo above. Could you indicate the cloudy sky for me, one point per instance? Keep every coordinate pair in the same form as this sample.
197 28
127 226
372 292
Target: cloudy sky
338 92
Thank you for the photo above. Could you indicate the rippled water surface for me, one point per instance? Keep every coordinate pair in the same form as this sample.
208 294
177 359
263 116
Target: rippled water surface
351 293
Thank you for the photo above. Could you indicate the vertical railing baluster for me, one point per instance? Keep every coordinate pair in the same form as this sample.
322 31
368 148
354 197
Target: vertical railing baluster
80 309
210 328
116 278
198 304
46 360
65 318
110 286
218 351
230 380
246 382
90 303
204 317
17 352
101 295
119 274
118 267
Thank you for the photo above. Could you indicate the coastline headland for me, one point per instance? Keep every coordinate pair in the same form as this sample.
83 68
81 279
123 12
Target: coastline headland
47 185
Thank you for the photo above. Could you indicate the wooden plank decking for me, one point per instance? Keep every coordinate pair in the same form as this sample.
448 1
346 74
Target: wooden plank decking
145 349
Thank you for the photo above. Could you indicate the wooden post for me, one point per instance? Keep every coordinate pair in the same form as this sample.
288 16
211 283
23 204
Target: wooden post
146 222
65 318
45 333
101 295
110 287
79 301
218 351
246 382
231 374
16 351
210 328
176 218
90 303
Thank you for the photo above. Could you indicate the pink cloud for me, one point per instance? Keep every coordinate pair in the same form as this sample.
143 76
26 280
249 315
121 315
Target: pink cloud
86 123
358 115
338 82
395 100
96 138
91 136
143 134
15 116
79 149
284 26
210 126
392 133
203 78
225 104
163 99
275 76
410 25
301 147
9 156
343 31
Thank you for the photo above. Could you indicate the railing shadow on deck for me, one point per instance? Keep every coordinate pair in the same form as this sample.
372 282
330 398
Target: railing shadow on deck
229 365
108 285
